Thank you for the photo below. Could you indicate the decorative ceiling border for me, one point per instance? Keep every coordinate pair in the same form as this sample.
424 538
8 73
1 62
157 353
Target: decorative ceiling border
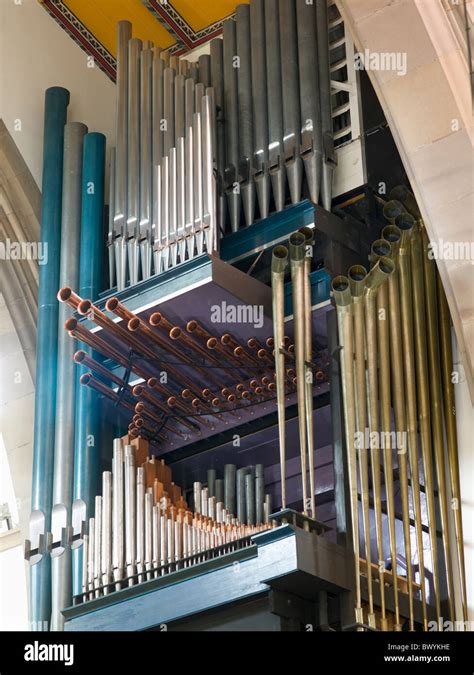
82 36
186 37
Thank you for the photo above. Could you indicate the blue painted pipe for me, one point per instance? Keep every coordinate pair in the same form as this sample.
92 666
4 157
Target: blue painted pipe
87 445
55 117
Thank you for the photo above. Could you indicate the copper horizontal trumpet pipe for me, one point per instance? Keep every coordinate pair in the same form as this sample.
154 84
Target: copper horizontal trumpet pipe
157 320
141 408
263 355
89 380
136 325
84 359
68 296
246 358
213 343
177 334
76 330
116 307
216 403
199 405
173 402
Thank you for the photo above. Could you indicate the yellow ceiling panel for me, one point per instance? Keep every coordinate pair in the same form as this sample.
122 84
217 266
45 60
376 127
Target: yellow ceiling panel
101 17
202 13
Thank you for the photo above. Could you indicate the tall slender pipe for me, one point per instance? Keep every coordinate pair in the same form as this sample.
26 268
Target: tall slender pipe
429 271
342 297
146 158
311 135
357 277
297 255
290 98
56 102
394 235
124 33
329 157
378 275
232 122
423 397
406 223
86 442
133 150
276 166
451 435
260 111
217 82
65 403
383 248
245 112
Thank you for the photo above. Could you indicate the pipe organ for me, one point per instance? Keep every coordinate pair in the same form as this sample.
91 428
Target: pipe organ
239 146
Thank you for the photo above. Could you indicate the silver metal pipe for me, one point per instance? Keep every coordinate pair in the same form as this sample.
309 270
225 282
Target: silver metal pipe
311 135
229 487
198 190
232 123
168 111
205 70
106 553
260 113
97 544
209 187
146 159
181 197
329 155
171 551
140 523
197 487
259 493
157 229
91 559
156 539
245 112
173 207
118 553
148 533
85 566
65 401
241 496
217 83
163 540
205 502
158 114
133 178
189 107
250 498
290 98
189 190
211 482
165 212
130 511
179 111
267 508
119 206
111 232
276 165
219 490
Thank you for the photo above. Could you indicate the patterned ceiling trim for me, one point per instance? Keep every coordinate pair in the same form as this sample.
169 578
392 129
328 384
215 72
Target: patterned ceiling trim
186 37
81 36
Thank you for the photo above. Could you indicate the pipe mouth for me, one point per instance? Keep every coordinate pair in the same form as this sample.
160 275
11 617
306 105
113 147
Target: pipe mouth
191 326
186 393
381 247
86 378
211 343
155 319
392 209
319 375
240 387
79 356
405 222
386 265
64 294
261 354
391 233
308 234
238 351
195 403
215 402
139 407
206 392
225 339
253 384
357 273
231 398
151 382
171 401
400 193
133 324
297 247
341 291
84 307
137 390
175 333
112 304
251 342
70 324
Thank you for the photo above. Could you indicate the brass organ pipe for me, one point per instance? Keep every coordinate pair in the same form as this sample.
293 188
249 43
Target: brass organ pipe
422 381
343 300
279 265
308 355
378 275
357 277
451 434
297 254
429 270
384 328
405 223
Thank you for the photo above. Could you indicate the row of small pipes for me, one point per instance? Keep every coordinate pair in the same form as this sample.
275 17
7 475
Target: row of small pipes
200 144
395 334
181 407
142 528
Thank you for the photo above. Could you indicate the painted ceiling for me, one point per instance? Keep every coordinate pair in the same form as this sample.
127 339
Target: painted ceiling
177 25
